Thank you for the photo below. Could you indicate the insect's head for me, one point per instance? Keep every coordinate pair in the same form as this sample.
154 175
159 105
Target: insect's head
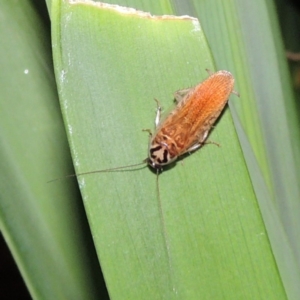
160 155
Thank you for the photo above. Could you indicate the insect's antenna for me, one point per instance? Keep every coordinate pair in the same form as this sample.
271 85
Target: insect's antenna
99 171
157 185
165 236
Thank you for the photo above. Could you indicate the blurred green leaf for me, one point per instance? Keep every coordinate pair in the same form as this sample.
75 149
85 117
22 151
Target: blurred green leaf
43 224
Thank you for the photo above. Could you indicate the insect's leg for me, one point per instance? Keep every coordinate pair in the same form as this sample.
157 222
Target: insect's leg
158 113
181 94
210 72
157 118
203 140
149 131
211 142
150 137
200 144
236 93
194 147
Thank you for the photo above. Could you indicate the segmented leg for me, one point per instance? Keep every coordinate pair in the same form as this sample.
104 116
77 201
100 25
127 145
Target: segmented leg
201 143
181 94
236 93
158 113
194 147
198 145
149 131
210 72
157 118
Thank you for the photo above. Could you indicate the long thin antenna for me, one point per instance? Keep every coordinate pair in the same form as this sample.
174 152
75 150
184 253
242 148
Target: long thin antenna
165 236
98 171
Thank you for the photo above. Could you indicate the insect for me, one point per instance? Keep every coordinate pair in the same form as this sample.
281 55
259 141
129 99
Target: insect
186 127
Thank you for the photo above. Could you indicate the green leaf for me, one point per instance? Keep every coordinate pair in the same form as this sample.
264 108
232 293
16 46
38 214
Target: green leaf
43 224
203 234
251 46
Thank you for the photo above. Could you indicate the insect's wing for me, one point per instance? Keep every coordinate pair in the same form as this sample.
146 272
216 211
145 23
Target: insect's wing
189 123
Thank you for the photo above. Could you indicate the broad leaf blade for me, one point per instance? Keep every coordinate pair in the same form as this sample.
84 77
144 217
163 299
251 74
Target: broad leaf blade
43 224
206 224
